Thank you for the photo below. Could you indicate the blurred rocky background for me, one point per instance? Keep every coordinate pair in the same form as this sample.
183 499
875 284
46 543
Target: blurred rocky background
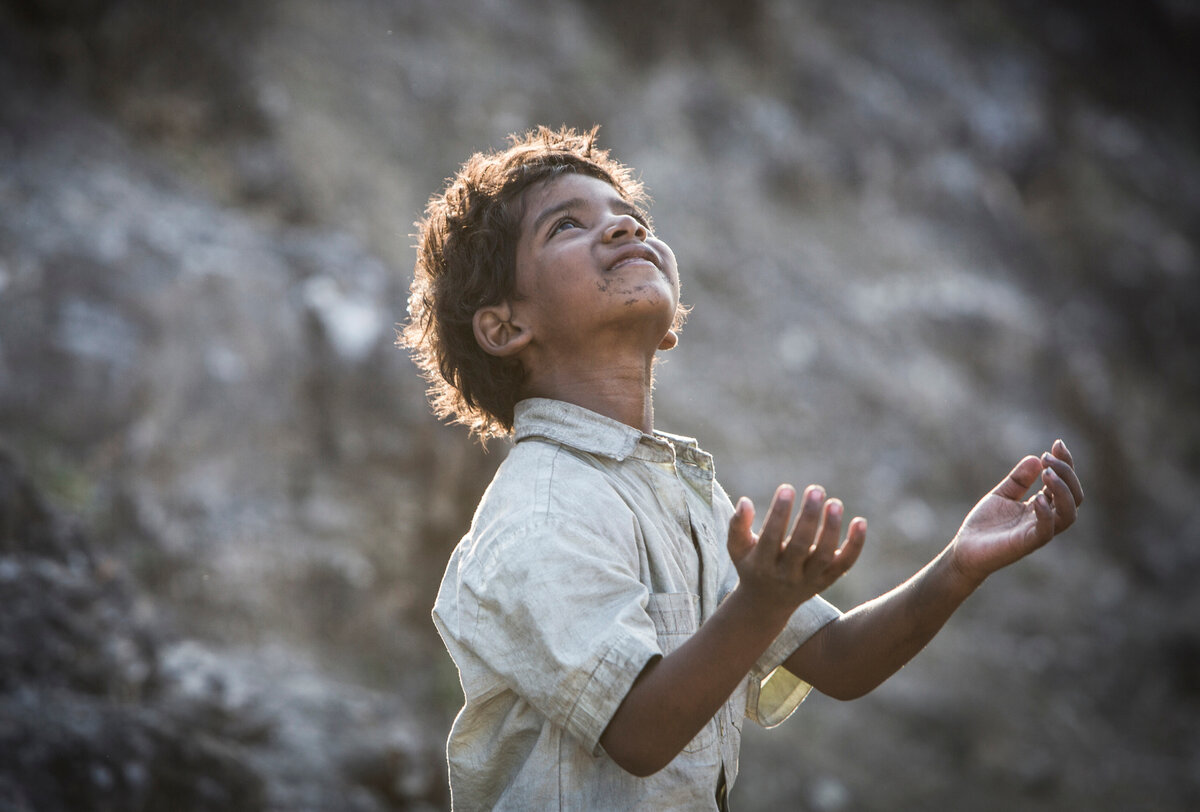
921 239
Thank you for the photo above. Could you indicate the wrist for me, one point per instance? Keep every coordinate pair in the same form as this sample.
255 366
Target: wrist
964 577
765 615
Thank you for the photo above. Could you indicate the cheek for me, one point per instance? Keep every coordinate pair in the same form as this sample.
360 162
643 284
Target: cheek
669 260
526 276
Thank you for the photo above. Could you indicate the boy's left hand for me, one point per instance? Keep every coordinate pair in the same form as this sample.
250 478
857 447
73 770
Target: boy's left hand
1001 528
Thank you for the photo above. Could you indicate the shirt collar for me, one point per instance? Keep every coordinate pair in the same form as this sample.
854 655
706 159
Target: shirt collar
574 426
593 433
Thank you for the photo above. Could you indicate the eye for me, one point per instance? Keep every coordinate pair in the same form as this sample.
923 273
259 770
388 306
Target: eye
563 225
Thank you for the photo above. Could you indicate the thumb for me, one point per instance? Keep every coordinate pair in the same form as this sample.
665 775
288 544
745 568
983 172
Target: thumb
741 540
1019 479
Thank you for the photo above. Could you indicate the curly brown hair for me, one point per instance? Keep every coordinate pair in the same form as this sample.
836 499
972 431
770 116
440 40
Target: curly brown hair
466 259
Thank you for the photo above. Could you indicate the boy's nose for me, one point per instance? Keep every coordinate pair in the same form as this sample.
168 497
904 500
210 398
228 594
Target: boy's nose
624 225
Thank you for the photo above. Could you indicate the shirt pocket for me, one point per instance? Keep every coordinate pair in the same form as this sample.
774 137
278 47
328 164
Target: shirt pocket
676 618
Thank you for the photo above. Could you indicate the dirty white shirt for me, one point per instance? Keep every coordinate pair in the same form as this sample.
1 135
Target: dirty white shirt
595 548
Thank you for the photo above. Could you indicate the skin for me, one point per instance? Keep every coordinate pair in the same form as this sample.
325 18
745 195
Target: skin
596 295
590 312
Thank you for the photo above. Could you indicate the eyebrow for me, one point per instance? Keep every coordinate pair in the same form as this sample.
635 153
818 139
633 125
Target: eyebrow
616 204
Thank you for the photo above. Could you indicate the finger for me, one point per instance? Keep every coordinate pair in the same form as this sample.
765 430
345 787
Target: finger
856 537
1066 473
823 550
770 539
1043 513
1059 449
1061 499
804 533
1020 479
741 539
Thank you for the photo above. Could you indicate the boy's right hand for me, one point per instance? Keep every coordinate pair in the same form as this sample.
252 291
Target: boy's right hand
779 571
674 696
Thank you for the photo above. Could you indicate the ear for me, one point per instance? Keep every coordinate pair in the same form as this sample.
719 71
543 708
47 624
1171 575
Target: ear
669 340
496 332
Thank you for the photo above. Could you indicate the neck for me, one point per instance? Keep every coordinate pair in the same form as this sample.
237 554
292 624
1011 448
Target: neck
623 394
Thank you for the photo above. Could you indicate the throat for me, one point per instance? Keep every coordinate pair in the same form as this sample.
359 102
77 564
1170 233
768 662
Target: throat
622 395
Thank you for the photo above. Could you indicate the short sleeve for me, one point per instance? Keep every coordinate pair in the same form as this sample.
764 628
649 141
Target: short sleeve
774 691
558 613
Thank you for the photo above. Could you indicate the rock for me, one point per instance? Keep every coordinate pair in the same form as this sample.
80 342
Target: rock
920 241
101 707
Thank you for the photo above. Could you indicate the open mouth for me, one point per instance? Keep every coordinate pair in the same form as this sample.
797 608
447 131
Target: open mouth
639 255
632 261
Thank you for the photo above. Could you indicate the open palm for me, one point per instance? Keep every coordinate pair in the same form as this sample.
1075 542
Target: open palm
1004 527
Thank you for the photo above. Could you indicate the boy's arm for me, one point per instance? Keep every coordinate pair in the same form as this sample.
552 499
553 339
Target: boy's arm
855 653
675 696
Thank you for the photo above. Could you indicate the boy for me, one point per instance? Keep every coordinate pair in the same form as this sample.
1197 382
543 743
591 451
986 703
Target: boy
612 615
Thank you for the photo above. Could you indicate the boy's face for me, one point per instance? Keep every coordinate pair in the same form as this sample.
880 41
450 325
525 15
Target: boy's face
590 275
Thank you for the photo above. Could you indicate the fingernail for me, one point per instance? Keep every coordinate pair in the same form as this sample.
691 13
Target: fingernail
787 493
835 510
816 497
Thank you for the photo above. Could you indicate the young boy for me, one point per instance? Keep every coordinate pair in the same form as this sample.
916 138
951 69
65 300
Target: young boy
612 614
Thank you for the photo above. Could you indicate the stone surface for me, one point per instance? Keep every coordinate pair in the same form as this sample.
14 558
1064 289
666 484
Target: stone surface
920 240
